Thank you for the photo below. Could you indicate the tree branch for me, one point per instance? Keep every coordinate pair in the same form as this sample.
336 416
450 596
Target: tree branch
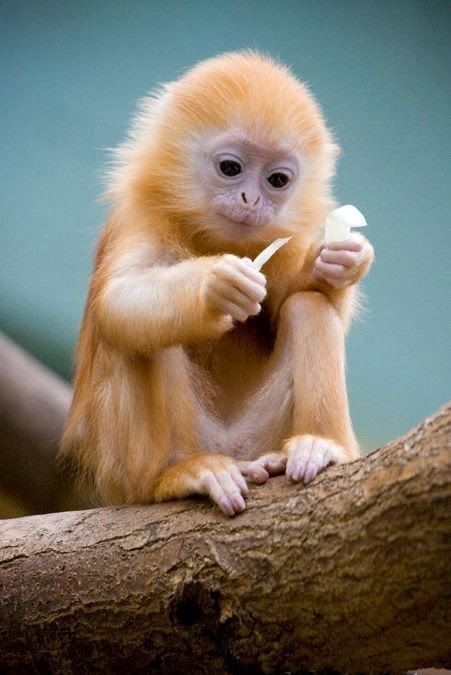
33 406
350 573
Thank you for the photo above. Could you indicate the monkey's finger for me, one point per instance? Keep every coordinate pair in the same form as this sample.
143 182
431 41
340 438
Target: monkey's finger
274 463
311 470
246 266
243 296
231 490
336 283
298 455
227 307
254 472
345 258
332 452
239 480
315 462
241 314
240 282
354 243
330 270
212 487
296 469
324 452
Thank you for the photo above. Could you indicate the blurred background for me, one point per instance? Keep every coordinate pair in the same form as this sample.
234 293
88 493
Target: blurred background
71 74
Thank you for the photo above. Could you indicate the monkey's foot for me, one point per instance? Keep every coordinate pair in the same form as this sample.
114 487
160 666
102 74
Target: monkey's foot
259 470
308 455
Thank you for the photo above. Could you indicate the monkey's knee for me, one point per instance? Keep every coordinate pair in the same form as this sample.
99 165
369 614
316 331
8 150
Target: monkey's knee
307 308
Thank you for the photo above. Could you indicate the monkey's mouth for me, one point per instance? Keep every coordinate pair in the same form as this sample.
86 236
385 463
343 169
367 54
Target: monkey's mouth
245 218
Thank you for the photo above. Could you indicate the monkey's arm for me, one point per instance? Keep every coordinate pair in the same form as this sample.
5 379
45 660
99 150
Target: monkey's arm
142 305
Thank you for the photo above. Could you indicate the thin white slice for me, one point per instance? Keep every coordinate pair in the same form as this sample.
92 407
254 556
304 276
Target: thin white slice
340 221
269 251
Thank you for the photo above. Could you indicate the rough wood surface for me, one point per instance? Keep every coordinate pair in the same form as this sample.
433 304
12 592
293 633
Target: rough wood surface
351 574
33 406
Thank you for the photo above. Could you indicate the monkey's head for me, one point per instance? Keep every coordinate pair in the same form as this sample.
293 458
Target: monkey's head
234 152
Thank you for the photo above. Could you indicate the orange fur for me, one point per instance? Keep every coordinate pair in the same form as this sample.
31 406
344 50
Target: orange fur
163 381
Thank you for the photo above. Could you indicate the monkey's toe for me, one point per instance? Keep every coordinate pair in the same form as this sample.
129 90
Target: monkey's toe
259 470
308 455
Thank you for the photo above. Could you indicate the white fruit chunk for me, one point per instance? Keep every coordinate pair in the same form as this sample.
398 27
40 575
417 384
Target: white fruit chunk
269 251
340 221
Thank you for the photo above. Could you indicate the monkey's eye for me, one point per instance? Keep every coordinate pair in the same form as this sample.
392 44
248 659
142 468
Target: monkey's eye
229 167
278 179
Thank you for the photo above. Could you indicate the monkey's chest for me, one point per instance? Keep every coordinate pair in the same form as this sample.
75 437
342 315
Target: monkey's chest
234 367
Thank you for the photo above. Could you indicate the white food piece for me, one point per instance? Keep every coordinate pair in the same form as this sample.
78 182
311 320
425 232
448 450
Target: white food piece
340 221
269 251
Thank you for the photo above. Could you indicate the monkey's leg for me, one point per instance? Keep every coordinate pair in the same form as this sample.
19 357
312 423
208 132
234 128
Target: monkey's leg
175 465
311 335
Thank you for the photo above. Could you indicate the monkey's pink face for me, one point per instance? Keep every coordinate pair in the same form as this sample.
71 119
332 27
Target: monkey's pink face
247 183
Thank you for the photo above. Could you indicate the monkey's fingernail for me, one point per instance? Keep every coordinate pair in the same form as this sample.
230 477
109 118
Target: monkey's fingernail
293 475
226 506
244 488
239 503
299 470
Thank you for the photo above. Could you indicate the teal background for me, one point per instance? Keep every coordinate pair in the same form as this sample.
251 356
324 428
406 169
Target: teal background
71 73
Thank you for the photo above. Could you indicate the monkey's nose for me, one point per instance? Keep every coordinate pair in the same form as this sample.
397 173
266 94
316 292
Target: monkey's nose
250 199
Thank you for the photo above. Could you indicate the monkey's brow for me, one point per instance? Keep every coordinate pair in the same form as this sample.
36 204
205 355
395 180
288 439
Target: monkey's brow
273 149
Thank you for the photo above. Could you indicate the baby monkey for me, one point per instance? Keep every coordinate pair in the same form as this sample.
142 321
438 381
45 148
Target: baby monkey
197 373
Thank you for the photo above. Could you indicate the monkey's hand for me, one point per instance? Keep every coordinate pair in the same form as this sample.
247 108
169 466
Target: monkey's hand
307 455
343 263
234 287
214 475
219 478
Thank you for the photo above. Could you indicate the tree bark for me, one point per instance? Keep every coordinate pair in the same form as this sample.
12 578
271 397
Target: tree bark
350 574
33 406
